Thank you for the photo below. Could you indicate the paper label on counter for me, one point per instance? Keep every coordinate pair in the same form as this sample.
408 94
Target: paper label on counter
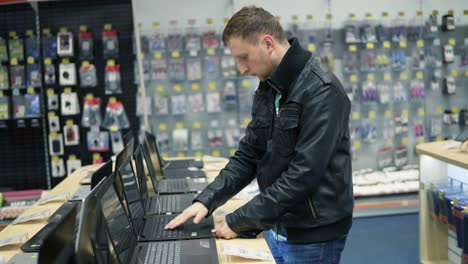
244 252
61 196
30 217
199 180
13 239
450 145
192 168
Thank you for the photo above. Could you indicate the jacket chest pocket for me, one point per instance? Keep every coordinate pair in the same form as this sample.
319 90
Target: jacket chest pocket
285 132
260 124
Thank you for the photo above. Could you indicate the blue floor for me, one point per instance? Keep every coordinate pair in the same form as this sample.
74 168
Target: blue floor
383 240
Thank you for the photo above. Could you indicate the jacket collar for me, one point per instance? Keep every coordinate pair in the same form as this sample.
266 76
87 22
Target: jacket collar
292 64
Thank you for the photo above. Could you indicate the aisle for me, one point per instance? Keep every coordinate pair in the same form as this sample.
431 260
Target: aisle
383 240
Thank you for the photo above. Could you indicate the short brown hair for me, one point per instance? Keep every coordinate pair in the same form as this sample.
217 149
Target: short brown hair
251 21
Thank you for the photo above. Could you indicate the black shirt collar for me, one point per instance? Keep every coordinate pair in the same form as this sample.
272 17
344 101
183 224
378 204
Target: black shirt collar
290 67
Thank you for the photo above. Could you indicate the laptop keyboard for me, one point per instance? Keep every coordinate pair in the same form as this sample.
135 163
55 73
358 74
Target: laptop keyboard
167 252
176 164
177 185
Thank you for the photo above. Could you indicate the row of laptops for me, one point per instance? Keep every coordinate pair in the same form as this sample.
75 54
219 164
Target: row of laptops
131 192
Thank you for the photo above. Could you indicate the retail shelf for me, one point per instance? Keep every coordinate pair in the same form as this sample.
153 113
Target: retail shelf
446 261
386 205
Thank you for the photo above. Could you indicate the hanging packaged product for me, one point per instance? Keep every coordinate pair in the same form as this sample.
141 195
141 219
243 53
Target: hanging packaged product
385 157
88 76
192 39
415 30
448 22
213 99
91 112
449 55
194 69
431 26
69 103
196 140
418 127
179 104
210 39
367 58
52 100
17 80
65 44
32 104
158 68
417 87
351 31
369 130
49 72
4 81
163 141
72 164
384 89
350 59
49 44
3 50
401 156
211 66
19 107
98 141
174 37
144 44
86 44
388 131
232 133
367 31
32 45
4 107
195 102
55 144
176 68
71 134
116 141
115 115
398 59
67 72
229 96
33 73
401 123
110 43
400 93
434 56
369 90
417 56
436 125
464 53
161 101
215 134
15 47
143 105
112 78
228 66
449 86
180 139
57 167
399 29
156 40
54 122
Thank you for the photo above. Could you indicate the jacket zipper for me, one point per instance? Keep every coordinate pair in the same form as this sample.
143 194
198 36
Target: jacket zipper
277 114
311 207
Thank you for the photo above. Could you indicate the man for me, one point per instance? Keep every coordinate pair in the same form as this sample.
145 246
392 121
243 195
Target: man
297 146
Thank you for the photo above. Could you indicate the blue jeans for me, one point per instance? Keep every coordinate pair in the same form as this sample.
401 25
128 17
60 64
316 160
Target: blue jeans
319 253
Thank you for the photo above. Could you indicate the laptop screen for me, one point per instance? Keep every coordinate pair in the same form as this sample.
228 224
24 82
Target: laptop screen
132 197
150 142
140 171
119 228
126 152
151 166
103 171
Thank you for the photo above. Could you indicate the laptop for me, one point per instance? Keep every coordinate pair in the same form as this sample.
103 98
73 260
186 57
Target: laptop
157 204
187 168
87 180
151 228
124 247
82 192
169 186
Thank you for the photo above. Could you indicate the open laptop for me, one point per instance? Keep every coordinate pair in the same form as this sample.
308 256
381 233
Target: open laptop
157 204
126 249
169 186
187 167
82 192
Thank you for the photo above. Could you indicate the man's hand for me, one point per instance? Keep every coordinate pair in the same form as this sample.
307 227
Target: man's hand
224 231
197 210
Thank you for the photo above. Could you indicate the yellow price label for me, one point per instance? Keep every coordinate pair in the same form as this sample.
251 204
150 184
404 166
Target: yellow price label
357 144
294 18
439 138
89 96
404 76
55 158
420 43
455 201
329 16
139 25
401 14
195 86
212 86
83 28
454 73
196 125
455 110
53 134
210 51
180 155
420 140
370 45
421 112
439 110
451 12
96 156
387 76
372 115
67 90
29 33
12 34
370 77
388 114
216 153
356 116
140 90
107 27
179 125
452 42
198 154
112 100
384 14
419 13
352 16
69 122
162 127
114 128
51 114
30 60
245 83
30 90
435 12
310 17
72 157
352 48
420 75
209 21
142 56
1 93
47 61
157 55
246 121
466 73
165 156
14 61
353 78
177 88
232 152
465 12
225 20
403 44
441 195
175 54
46 31
404 113
368 15
404 203
387 45
405 141
160 88
85 64
63 30
65 61
389 143
156 25
311 47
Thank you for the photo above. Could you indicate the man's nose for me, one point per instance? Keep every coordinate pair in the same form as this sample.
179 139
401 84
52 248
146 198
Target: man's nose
243 69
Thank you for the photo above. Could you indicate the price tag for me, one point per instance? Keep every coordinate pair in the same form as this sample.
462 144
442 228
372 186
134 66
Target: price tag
175 54
245 83
329 16
195 86
466 73
57 197
162 127
165 156
421 112
198 154
30 60
107 27
465 12
50 91
83 28
12 34
420 140
352 16
51 115
114 128
157 55
454 73
67 61
419 13
368 15
420 43
46 31
356 116
439 138
405 141
455 201
404 76
450 12
177 88
14 61
439 110
386 45
246 121
72 157
435 12
452 42
388 114
404 203
196 125
180 155
1 94
142 56
29 33
357 144
455 110
210 51
30 217
69 122
353 78
310 17
370 45
420 75
30 90
63 30
352 48
212 86
160 88
246 252
401 14
384 14
13 239
232 152
389 143
179 125
156 25
403 44
311 47
387 76
370 77
226 20
405 113
372 115
209 21
67 90
47 61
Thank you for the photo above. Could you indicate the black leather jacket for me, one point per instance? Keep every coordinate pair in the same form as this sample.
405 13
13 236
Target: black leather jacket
300 157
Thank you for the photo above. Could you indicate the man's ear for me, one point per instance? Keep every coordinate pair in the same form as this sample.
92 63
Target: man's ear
269 42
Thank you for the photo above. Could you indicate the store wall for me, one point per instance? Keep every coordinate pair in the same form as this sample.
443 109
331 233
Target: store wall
163 11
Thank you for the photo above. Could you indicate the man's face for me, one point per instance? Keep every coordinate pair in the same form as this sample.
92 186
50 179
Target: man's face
252 58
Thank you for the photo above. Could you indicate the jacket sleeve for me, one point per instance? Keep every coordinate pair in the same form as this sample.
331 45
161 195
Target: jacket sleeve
237 174
320 128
